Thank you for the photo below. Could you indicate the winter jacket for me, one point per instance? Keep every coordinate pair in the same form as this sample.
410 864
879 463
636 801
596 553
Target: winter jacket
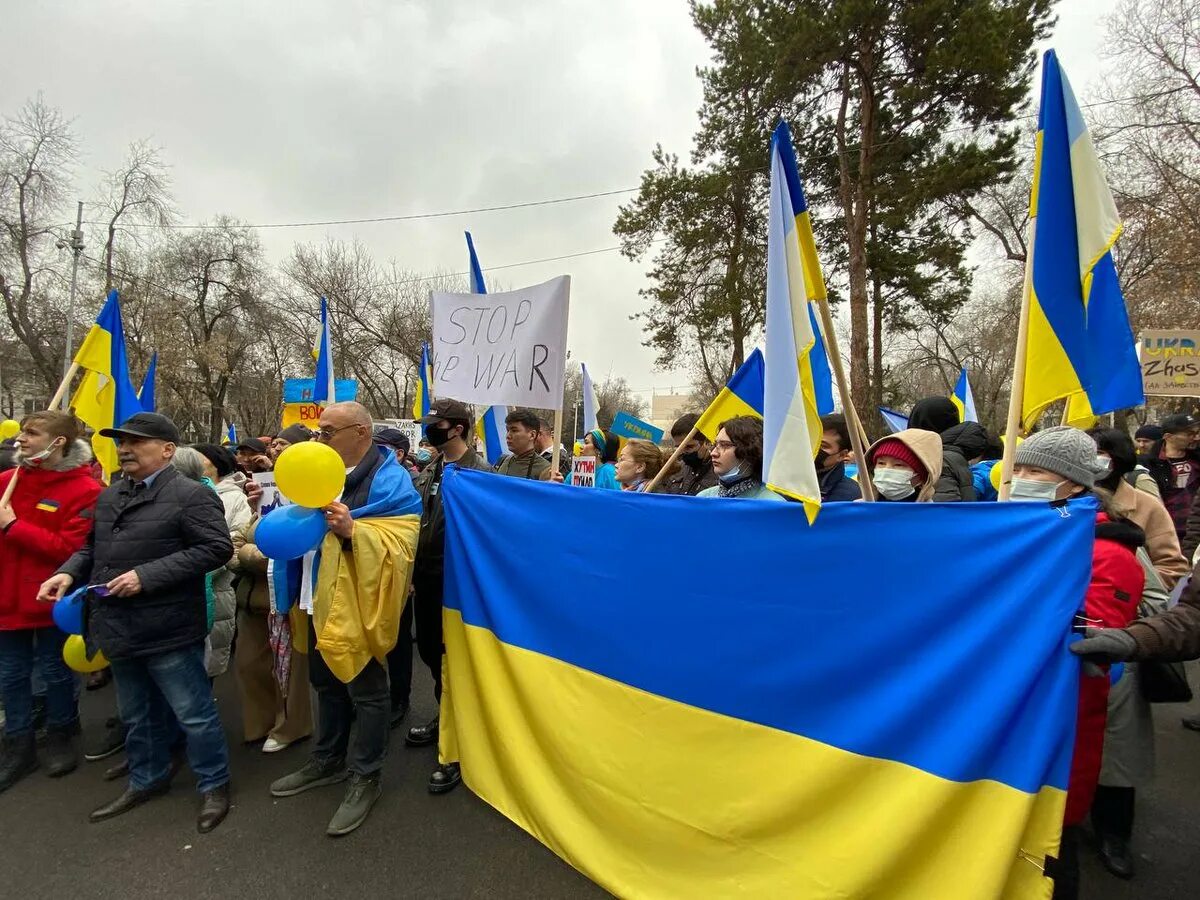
53 504
939 415
529 465
1173 636
1178 500
981 473
171 533
837 487
688 481
1112 597
1191 533
1151 516
928 448
431 545
237 515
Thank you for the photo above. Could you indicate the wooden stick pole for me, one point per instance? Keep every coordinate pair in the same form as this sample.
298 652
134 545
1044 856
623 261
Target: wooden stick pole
62 388
857 433
557 451
1016 398
662 473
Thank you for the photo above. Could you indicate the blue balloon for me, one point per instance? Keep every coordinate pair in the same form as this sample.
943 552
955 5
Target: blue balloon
290 531
68 612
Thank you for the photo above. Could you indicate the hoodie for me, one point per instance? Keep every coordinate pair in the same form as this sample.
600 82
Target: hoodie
939 415
928 448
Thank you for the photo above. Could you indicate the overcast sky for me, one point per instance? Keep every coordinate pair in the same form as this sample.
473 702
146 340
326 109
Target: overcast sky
283 112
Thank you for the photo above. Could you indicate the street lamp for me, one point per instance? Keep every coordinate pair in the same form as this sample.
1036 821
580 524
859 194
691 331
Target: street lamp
76 245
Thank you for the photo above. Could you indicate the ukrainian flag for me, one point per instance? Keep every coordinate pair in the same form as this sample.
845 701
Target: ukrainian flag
422 397
489 427
324 391
146 393
590 406
791 418
1079 342
817 750
963 399
477 284
741 396
105 397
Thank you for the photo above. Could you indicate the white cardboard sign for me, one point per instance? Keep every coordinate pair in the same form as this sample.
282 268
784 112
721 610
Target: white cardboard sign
583 471
508 348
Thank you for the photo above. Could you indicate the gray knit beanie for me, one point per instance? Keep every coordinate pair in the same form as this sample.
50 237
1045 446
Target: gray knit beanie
1063 450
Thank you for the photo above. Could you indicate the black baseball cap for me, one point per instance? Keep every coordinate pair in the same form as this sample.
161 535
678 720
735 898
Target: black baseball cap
447 409
392 437
254 445
154 426
1179 422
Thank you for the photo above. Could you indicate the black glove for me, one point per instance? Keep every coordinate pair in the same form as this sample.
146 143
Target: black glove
1105 645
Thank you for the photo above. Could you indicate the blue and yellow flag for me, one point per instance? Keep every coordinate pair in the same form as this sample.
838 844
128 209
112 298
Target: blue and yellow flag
964 399
146 394
1080 342
490 429
105 397
324 390
741 396
910 753
895 421
477 284
791 415
422 396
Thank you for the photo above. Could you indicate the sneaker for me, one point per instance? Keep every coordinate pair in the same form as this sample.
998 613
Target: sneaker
112 741
361 795
313 775
270 745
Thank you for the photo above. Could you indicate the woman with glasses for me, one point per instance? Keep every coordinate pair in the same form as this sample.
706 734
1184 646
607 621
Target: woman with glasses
737 457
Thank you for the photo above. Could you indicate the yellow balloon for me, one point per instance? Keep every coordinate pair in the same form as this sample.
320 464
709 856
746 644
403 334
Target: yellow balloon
9 428
75 656
310 474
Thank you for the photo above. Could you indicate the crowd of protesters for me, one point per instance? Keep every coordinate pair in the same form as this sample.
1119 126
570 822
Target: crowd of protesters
179 592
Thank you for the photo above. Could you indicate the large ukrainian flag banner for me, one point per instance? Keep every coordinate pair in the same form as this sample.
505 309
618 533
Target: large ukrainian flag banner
1080 344
106 396
743 738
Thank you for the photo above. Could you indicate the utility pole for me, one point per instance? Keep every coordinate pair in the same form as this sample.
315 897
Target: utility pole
76 246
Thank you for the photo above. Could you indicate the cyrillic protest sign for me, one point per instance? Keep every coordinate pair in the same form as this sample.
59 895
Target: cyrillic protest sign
583 471
298 408
1171 363
272 498
508 348
627 426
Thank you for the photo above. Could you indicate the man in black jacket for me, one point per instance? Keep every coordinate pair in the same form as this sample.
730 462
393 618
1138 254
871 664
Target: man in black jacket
696 471
448 427
155 536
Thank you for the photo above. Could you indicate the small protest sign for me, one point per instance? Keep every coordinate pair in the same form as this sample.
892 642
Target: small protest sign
508 348
1171 363
583 471
627 426
272 498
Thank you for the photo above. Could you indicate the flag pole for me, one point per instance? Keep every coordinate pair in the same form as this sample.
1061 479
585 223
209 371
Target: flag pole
557 451
1016 396
662 473
857 434
62 387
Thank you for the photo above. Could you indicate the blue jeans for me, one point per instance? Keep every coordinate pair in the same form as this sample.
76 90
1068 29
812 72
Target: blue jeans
179 677
23 653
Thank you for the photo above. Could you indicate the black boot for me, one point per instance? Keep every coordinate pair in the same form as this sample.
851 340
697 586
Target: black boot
18 760
62 756
1112 819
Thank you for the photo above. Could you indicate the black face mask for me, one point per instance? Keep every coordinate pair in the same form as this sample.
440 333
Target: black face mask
822 459
691 458
438 437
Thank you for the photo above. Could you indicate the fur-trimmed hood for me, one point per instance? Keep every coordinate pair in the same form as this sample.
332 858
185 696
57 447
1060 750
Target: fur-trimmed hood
78 454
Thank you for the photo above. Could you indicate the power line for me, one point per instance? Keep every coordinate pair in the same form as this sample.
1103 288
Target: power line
410 217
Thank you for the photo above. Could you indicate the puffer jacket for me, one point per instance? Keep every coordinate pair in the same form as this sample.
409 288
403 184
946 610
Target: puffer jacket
1112 599
172 534
237 514
928 448
53 504
250 566
960 444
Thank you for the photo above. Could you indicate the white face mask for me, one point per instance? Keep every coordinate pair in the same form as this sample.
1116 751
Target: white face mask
1031 489
895 484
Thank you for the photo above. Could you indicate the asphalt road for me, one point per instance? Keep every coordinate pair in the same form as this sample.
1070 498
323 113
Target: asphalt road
414 844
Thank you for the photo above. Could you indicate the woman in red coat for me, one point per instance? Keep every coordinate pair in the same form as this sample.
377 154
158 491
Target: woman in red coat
46 520
1053 465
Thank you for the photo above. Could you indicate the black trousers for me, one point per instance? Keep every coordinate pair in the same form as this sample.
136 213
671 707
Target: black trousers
364 700
400 660
428 602
1066 872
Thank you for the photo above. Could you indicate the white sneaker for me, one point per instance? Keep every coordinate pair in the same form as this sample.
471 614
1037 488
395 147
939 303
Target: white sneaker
270 745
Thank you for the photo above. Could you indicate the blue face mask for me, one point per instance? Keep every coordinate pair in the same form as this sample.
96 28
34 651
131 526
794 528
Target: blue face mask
424 455
731 477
